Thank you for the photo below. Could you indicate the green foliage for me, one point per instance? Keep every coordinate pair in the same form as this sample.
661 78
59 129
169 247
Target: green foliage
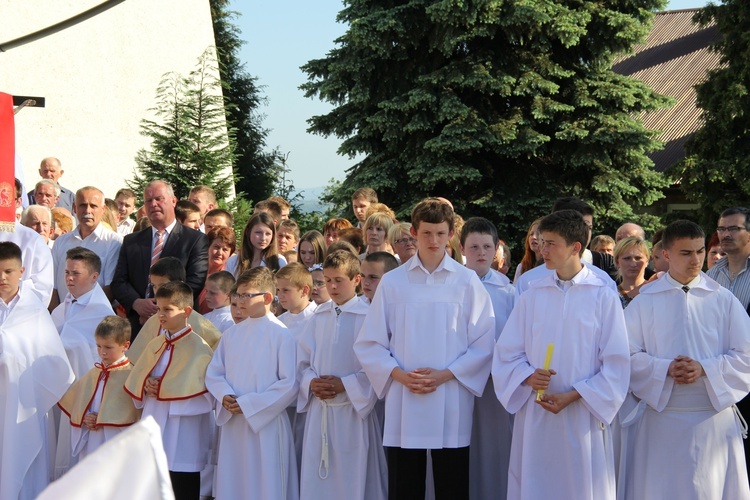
716 173
255 168
499 106
189 140
242 210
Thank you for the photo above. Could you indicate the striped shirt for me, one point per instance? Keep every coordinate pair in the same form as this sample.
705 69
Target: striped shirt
739 286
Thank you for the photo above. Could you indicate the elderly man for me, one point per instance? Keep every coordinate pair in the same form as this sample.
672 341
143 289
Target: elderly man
38 218
38 269
50 169
46 193
166 238
90 234
630 229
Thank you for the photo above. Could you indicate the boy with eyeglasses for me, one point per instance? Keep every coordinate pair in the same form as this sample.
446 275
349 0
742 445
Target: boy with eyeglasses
253 377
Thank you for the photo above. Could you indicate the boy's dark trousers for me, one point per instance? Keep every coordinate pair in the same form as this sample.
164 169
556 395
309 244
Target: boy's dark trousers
407 471
186 485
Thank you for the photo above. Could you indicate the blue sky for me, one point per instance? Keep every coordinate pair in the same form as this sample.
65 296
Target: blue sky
281 36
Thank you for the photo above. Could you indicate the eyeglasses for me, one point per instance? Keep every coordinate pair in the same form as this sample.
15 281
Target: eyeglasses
730 229
402 241
319 284
245 296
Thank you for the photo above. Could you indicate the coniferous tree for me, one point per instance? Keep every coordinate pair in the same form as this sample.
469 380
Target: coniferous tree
716 173
190 142
499 106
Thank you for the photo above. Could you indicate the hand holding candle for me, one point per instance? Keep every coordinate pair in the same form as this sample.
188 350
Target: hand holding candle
547 362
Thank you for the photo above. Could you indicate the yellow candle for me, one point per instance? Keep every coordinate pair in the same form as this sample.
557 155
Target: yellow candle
547 362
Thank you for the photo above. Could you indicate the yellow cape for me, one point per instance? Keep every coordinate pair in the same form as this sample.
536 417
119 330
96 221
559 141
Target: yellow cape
185 376
116 408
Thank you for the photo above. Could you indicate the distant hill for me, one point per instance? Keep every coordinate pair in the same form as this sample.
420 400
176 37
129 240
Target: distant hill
310 201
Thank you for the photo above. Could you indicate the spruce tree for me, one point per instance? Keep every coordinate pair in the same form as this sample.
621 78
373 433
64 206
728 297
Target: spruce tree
500 106
190 142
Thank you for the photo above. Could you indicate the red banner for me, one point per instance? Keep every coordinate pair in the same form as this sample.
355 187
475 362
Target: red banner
7 164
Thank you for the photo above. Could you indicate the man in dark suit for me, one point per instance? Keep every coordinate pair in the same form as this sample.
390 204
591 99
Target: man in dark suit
165 238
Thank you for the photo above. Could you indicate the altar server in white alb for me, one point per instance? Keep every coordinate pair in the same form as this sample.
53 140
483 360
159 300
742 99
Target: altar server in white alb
82 309
561 439
690 363
492 427
252 376
293 287
34 374
342 454
426 345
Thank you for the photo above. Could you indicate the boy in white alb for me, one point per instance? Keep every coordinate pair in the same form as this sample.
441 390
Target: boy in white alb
84 307
34 374
426 346
168 383
690 364
562 440
97 405
492 426
218 287
293 287
252 376
342 456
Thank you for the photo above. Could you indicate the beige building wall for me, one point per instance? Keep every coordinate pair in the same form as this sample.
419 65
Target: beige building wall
99 79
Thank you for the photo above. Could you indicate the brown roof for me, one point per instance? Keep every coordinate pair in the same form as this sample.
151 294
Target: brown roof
674 58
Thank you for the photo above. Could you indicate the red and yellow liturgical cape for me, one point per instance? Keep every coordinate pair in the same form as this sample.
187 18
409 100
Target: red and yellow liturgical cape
116 409
185 375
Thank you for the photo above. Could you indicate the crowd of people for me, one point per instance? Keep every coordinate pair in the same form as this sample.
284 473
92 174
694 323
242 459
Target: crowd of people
380 359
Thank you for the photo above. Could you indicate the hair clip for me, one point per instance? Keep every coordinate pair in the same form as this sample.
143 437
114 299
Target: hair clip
315 267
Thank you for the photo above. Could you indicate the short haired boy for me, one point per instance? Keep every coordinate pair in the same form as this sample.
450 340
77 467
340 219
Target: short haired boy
374 266
577 313
167 270
492 426
361 200
218 217
234 306
188 214
285 206
294 287
97 405
426 346
84 307
253 378
270 207
342 456
168 383
218 287
204 197
600 264
34 375
690 354
125 201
